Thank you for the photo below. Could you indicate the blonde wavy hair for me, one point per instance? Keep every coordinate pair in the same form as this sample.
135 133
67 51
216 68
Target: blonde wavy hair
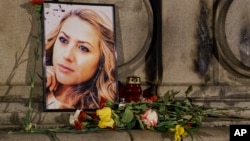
102 85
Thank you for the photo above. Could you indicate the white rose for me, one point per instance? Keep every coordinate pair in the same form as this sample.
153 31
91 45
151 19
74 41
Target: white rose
150 118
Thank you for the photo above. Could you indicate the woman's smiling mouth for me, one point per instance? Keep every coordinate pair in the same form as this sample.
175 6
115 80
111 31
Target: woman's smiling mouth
64 69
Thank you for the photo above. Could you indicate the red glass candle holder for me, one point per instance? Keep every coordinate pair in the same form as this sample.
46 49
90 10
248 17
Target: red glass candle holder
133 89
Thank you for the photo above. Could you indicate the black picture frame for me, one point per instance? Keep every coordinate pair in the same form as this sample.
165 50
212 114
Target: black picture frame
79 55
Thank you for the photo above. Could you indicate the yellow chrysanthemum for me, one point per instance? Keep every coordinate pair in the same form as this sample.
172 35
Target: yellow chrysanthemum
179 132
105 117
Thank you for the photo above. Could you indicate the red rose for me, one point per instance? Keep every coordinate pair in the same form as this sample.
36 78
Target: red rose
78 125
77 119
188 124
36 2
82 116
94 116
152 98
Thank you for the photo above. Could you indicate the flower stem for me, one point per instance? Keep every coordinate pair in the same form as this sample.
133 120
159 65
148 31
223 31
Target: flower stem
28 124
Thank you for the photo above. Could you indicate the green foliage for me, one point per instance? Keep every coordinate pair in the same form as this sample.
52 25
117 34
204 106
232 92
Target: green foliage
170 110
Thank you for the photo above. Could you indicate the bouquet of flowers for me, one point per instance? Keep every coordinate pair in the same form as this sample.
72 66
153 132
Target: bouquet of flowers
162 114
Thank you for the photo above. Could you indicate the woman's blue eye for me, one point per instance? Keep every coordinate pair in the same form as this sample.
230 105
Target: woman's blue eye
63 40
83 48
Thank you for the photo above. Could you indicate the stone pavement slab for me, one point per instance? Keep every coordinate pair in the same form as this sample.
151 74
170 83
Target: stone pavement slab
204 134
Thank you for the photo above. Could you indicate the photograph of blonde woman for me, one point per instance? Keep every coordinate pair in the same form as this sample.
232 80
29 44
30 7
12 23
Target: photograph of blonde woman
80 65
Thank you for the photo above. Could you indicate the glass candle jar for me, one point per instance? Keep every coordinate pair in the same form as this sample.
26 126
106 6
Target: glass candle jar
133 89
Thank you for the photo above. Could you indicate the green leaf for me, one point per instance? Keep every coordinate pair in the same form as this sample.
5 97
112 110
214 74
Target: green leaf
190 88
167 123
128 115
108 104
187 102
161 129
162 109
142 107
121 108
174 92
166 97
187 117
131 124
140 122
38 8
116 118
85 124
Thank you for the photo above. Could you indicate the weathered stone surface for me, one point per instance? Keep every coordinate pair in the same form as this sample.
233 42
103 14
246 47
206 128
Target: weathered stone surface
206 134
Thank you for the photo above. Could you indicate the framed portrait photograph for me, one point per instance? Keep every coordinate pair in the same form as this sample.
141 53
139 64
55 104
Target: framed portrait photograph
79 55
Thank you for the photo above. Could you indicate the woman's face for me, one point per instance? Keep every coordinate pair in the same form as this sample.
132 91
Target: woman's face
76 52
